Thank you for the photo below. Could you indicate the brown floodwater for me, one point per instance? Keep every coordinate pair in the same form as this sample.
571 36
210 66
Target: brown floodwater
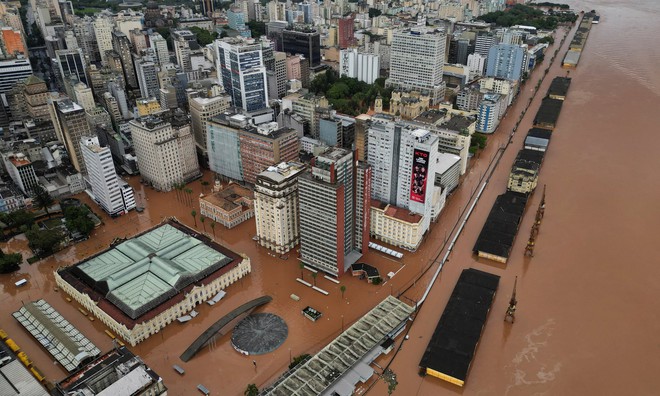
588 309
588 314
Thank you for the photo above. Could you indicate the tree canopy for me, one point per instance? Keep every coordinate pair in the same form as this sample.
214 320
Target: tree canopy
17 219
349 95
521 14
44 242
204 37
257 28
77 220
42 198
10 262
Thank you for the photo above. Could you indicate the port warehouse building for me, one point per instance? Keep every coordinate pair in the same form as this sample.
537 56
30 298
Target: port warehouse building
453 344
139 286
345 361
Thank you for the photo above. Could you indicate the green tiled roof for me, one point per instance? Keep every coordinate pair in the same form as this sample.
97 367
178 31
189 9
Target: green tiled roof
141 273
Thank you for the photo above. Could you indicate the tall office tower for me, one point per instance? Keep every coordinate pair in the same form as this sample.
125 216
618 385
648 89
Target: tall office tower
147 76
484 42
305 41
274 31
70 40
243 72
276 206
346 32
118 92
203 109
362 205
306 9
280 74
207 7
70 126
416 62
165 151
328 212
236 19
183 40
71 67
12 42
223 144
109 102
139 40
109 191
12 71
21 171
336 130
506 61
476 64
127 20
159 45
83 28
363 66
84 96
463 51
265 145
103 27
122 46
403 157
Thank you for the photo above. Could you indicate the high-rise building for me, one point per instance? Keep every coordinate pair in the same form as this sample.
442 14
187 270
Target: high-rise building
336 130
165 150
346 32
103 31
159 45
243 72
223 145
202 109
70 126
416 62
84 96
109 191
305 41
489 113
207 7
70 65
363 66
83 28
21 171
13 71
484 42
328 215
476 64
183 40
265 145
147 76
30 100
276 206
280 74
122 46
506 61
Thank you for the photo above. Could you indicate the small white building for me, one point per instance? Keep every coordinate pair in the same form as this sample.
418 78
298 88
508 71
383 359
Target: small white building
363 66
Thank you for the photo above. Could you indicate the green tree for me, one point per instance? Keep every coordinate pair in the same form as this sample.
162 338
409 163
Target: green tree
374 12
202 219
251 390
390 378
213 228
314 275
193 213
17 219
42 198
257 28
299 359
77 220
205 185
44 242
343 290
10 262
204 37
189 192
302 267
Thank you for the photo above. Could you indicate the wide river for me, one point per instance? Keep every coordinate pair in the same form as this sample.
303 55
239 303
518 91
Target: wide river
588 316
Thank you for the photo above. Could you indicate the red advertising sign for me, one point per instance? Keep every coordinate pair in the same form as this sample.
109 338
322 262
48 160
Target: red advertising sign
419 175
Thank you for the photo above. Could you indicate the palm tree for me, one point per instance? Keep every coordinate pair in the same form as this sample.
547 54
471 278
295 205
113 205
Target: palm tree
251 390
179 190
189 192
302 267
343 289
194 213
314 275
213 228
202 218
42 198
204 184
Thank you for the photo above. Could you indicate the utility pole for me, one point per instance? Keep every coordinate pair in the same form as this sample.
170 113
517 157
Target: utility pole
511 310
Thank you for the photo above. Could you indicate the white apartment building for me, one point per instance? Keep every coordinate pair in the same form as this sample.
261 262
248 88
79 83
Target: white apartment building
363 66
103 30
201 111
476 63
276 207
416 62
147 76
84 96
21 171
500 86
159 44
165 151
108 190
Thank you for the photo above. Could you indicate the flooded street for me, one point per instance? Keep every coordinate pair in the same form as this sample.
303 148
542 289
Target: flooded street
587 318
588 312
